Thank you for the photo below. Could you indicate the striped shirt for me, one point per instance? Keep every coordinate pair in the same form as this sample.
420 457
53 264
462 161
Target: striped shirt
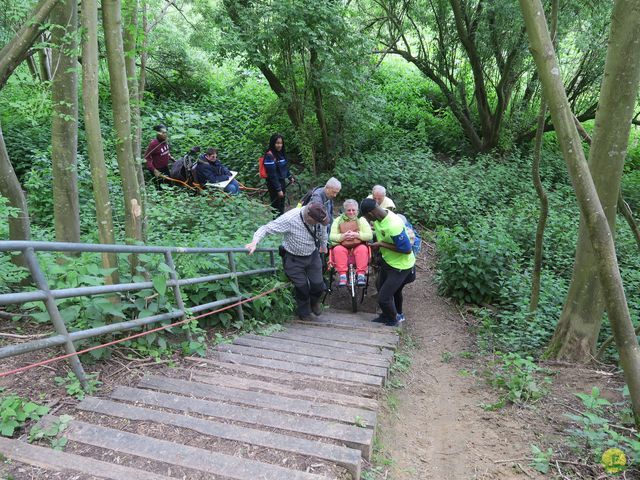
297 239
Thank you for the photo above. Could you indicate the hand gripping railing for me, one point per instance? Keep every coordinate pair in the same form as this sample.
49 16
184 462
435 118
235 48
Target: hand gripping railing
49 297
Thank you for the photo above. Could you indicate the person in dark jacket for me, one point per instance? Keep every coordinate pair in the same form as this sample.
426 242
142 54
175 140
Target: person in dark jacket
277 167
211 170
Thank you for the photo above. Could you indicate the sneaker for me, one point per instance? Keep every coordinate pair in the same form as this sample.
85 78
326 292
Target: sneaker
380 319
394 323
362 280
342 281
306 318
316 308
400 317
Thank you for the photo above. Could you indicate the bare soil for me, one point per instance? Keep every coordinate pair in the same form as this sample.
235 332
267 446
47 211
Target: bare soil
434 427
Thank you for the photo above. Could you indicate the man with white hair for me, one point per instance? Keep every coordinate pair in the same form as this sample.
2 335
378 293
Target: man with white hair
325 196
379 194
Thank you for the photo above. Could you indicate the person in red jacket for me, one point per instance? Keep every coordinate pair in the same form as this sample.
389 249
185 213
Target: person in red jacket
157 154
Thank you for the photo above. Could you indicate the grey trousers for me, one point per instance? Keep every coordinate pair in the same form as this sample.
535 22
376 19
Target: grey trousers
305 272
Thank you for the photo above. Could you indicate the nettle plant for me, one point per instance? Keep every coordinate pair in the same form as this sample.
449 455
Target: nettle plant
16 411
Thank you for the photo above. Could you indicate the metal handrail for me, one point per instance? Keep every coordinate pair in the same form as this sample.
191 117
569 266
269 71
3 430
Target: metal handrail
49 297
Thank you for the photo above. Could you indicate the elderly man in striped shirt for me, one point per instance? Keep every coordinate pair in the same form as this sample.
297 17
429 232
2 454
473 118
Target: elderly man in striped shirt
302 244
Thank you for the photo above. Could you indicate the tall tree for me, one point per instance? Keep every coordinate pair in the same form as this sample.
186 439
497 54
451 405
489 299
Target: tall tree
618 95
14 52
104 217
64 124
577 331
313 64
536 275
112 22
19 227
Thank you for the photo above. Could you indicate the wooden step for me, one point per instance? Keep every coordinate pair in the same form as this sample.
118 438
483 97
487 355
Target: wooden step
305 360
347 347
361 338
322 372
262 400
50 459
292 346
343 456
180 455
212 364
214 378
349 435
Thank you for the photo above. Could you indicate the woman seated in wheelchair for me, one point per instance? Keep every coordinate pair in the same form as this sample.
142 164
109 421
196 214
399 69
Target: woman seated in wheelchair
348 236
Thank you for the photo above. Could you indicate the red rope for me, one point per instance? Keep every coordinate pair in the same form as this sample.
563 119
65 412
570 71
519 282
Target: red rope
114 342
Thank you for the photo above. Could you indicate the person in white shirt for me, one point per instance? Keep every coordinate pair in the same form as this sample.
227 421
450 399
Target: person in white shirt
379 194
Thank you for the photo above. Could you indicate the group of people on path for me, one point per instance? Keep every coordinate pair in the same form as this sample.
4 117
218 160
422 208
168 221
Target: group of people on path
309 229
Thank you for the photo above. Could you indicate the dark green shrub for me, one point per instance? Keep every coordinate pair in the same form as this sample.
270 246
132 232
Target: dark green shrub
473 263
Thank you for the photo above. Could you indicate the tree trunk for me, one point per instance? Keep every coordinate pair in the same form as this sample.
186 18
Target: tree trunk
129 38
613 122
537 183
579 326
19 227
44 60
104 217
64 124
625 210
33 68
14 52
112 22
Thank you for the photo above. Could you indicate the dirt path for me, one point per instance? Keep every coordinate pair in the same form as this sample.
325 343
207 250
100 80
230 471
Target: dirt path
433 428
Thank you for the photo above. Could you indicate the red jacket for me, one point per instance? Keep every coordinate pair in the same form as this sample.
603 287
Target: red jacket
157 155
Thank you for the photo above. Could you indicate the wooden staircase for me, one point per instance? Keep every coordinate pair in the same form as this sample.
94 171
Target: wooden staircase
300 404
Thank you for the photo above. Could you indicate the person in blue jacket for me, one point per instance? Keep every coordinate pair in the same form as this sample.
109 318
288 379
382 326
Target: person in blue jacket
277 167
210 170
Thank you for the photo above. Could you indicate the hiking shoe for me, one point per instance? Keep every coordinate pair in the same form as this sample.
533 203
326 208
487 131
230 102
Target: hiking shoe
316 308
342 281
306 318
400 317
394 323
362 280
380 319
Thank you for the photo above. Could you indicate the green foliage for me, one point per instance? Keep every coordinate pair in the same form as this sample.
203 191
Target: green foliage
541 458
472 263
51 432
517 378
16 411
72 385
597 427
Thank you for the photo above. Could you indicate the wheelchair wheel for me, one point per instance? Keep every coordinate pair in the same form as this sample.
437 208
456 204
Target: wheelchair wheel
353 289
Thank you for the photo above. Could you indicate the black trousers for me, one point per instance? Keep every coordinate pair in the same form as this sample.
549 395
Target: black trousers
390 283
277 203
305 272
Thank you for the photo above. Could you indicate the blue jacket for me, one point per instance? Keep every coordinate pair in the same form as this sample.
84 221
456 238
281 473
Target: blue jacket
277 170
211 172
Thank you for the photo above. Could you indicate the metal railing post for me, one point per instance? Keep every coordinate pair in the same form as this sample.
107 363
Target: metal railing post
272 259
232 269
54 313
176 287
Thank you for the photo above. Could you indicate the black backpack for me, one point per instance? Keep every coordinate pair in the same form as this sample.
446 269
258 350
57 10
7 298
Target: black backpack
183 168
307 196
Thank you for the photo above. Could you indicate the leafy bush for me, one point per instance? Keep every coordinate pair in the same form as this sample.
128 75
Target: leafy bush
517 377
16 411
473 263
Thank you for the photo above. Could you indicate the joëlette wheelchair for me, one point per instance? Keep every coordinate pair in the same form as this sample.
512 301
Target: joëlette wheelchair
356 292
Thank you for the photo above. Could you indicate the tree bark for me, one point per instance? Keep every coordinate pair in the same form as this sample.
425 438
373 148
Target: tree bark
44 60
19 227
104 216
64 124
13 53
613 122
112 21
537 183
577 332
